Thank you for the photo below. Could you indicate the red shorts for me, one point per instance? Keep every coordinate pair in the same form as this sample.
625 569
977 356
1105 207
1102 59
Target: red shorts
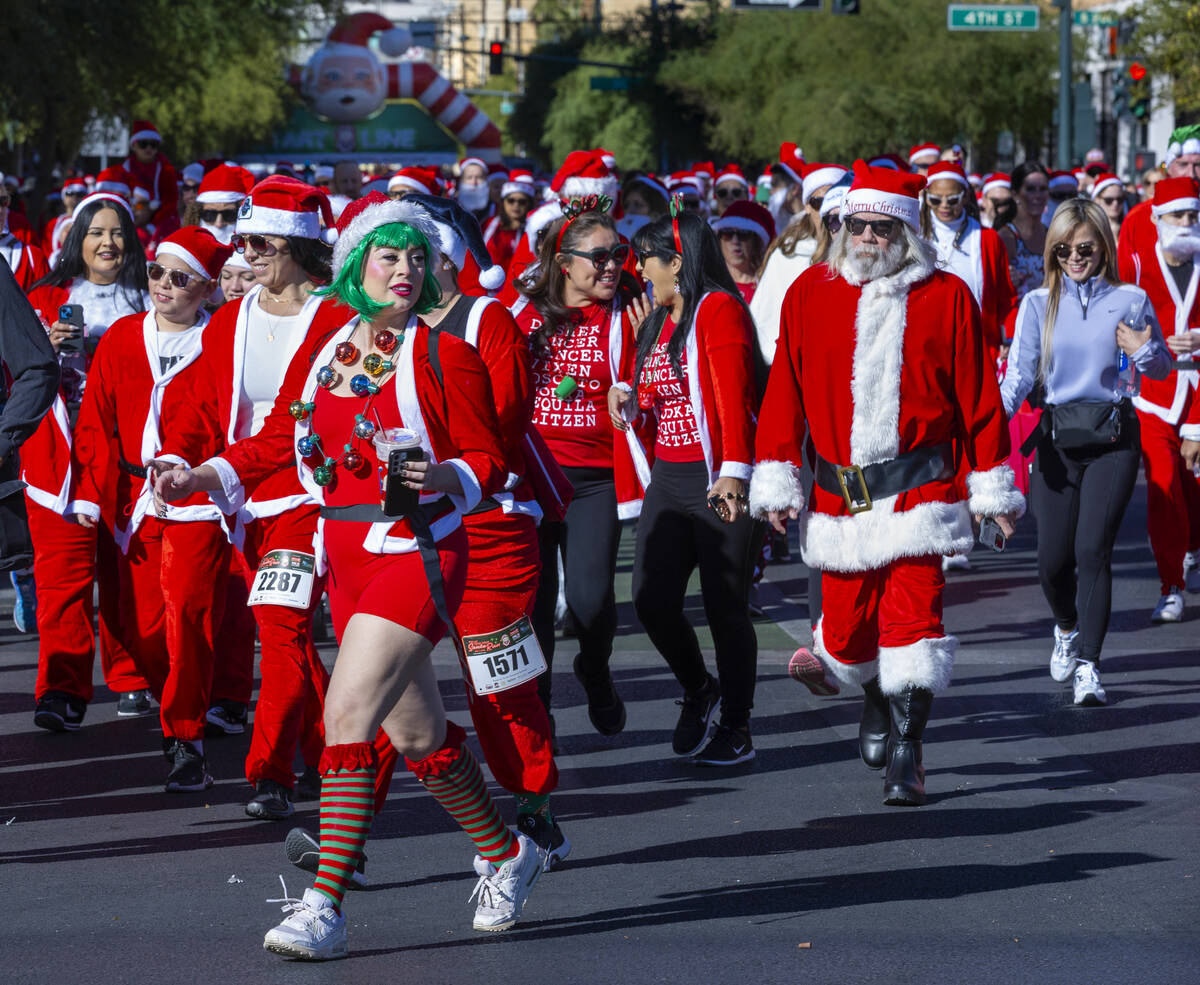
390 586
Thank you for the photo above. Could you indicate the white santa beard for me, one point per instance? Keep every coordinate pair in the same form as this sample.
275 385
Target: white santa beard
1181 242
869 263
474 197
222 234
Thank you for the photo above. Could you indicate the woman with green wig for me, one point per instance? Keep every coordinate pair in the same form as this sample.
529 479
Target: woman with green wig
384 392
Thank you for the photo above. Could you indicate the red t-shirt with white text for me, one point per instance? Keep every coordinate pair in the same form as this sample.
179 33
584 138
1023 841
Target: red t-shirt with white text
678 436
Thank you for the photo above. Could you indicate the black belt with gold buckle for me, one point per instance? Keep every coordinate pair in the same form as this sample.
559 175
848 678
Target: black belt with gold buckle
860 485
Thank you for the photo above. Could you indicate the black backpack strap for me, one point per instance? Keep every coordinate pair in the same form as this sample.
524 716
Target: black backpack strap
435 359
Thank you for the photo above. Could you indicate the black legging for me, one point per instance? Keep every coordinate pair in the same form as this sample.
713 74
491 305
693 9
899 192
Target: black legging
677 532
589 536
1079 500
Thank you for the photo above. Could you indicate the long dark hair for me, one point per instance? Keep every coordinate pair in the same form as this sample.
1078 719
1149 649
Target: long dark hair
1024 170
703 271
314 256
131 278
545 291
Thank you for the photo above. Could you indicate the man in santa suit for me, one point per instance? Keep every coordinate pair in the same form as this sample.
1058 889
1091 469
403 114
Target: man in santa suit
1166 269
148 166
1182 160
26 261
881 364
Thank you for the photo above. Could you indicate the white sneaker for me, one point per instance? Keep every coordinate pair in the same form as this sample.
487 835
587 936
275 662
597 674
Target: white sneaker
1191 571
1087 685
1169 608
503 891
314 932
956 562
1066 652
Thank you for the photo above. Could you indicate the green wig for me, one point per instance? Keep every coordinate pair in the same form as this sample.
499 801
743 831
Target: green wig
347 283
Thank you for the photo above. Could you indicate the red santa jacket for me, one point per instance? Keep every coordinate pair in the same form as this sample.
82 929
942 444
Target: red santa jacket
160 178
28 263
121 425
454 417
720 377
998 294
875 371
1138 235
1170 398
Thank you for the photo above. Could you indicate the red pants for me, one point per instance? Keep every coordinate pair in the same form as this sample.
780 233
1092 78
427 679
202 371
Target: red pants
1172 500
513 726
172 606
233 667
291 694
887 623
66 561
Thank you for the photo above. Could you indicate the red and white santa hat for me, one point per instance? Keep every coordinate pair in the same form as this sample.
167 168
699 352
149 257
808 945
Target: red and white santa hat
1175 195
922 152
103 197
1106 181
731 172
199 249
141 195
997 179
114 180
74 186
947 170
143 130
355 31
520 182
791 160
685 183
818 176
497 172
224 184
194 173
976 181
746 216
1063 181
370 212
883 190
585 173
283 206
422 180
893 162
472 160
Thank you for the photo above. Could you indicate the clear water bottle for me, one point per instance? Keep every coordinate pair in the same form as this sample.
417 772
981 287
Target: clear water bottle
1128 381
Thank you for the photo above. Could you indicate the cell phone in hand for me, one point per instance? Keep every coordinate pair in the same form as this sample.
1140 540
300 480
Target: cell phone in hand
717 504
991 536
399 499
71 314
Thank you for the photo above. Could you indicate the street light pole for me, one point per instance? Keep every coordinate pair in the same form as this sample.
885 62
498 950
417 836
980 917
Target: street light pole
1064 83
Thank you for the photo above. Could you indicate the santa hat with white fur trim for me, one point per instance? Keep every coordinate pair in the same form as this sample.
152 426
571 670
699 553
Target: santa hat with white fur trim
225 184
102 197
199 249
887 192
947 171
1063 181
143 130
818 176
997 179
922 151
791 161
114 180
1175 195
194 173
352 33
746 216
74 186
421 180
731 172
519 183
539 219
1184 140
282 206
1106 181
373 210
472 160
458 231
832 202
585 173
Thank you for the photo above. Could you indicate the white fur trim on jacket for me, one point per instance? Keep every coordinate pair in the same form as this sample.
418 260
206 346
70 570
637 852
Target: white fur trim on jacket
880 536
373 216
845 673
928 664
994 493
775 487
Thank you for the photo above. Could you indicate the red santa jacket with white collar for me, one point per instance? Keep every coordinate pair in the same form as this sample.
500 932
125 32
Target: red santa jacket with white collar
121 418
28 263
1169 399
720 378
455 419
877 370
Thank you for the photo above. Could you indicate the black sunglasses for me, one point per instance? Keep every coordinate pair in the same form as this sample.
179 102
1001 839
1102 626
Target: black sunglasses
883 228
179 278
950 201
1111 200
832 222
143 144
1063 251
259 244
212 215
816 201
731 191
602 258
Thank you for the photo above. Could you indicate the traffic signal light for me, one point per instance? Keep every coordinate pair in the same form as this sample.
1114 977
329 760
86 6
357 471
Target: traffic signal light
1120 94
846 6
496 58
1140 91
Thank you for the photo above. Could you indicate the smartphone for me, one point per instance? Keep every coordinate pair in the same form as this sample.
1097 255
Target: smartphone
71 314
718 505
399 499
990 535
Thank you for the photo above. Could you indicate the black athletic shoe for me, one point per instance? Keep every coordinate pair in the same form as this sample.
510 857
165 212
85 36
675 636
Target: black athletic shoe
547 835
190 771
727 747
58 712
308 785
225 718
304 852
272 802
697 710
605 707
134 704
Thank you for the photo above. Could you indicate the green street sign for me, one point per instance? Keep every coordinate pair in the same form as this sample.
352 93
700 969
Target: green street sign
991 17
610 83
1095 18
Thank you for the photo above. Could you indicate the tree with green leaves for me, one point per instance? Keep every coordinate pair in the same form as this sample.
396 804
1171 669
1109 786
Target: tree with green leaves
1167 41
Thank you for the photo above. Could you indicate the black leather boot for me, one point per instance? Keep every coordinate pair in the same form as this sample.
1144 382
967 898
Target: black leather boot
904 781
875 726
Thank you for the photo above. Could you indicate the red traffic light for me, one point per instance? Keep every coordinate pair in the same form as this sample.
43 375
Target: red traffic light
497 48
1137 71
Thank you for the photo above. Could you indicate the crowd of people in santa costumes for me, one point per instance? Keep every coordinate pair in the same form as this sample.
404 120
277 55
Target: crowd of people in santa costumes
438 399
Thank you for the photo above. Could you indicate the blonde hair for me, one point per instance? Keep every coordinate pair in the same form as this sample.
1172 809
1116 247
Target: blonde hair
1068 217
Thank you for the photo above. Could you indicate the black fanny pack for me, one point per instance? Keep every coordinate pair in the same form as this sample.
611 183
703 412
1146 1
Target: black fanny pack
1085 424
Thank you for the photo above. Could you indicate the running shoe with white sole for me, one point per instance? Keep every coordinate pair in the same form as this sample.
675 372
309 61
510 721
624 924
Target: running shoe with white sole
304 852
503 891
1087 685
134 704
727 747
58 712
1066 653
806 669
315 931
1169 608
696 712
547 835
25 604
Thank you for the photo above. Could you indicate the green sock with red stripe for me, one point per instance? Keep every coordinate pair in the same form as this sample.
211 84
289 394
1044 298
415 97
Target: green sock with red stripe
347 807
459 787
